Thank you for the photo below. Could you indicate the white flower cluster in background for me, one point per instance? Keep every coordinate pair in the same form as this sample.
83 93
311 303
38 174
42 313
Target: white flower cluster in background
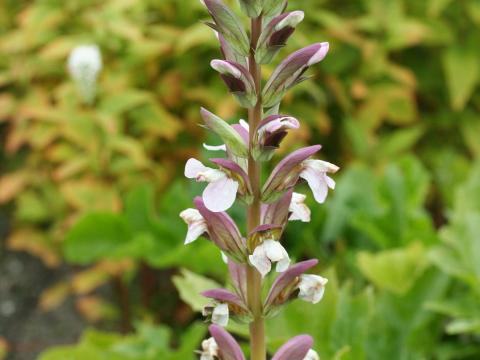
84 65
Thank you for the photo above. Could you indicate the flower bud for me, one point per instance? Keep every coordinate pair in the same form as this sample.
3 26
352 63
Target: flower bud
290 71
227 133
238 80
275 35
270 133
227 24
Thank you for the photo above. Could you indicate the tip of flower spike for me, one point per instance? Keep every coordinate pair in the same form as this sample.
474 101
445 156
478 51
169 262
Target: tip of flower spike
320 53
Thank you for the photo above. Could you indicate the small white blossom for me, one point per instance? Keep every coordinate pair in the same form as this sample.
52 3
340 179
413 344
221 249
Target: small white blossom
299 210
312 288
315 173
196 224
267 252
84 65
221 191
312 355
220 315
209 349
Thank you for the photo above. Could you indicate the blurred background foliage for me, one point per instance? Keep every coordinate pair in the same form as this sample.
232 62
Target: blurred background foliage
97 189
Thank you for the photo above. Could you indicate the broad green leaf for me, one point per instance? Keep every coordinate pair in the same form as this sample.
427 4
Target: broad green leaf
190 285
461 66
96 236
394 270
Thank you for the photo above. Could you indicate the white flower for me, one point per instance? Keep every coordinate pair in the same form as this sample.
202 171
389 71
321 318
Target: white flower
299 210
220 315
84 65
315 173
209 349
221 191
312 355
196 224
267 252
312 288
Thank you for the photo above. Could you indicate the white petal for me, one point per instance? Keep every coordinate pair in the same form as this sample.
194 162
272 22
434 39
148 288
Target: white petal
193 167
330 182
312 288
299 210
220 195
260 260
312 355
209 349
222 147
321 165
220 315
277 253
191 215
196 224
224 257
195 230
317 182
274 250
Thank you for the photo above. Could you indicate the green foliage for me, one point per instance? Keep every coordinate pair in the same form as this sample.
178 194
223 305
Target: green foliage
149 342
139 233
458 257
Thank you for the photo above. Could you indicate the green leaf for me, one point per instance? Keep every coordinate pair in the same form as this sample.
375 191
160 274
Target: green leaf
190 285
96 236
394 270
461 66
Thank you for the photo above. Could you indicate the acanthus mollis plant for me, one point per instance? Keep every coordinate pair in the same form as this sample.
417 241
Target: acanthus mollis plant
270 204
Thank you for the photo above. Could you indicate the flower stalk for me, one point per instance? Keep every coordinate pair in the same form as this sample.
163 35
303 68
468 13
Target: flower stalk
254 278
271 204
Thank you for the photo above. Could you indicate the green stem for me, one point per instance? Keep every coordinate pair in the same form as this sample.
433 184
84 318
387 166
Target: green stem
254 279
